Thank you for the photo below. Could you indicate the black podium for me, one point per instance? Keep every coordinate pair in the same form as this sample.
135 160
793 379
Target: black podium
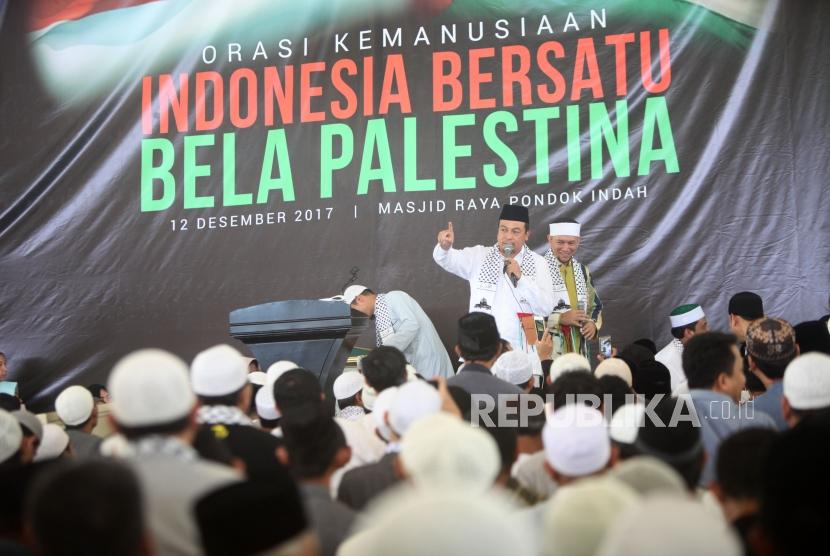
316 334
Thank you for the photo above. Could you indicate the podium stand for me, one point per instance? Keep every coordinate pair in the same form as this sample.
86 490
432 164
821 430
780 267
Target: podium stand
316 334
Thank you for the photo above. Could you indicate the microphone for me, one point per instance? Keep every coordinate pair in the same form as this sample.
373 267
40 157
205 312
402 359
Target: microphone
508 249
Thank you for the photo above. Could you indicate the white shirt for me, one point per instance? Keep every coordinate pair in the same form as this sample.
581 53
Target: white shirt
366 448
672 357
413 333
531 295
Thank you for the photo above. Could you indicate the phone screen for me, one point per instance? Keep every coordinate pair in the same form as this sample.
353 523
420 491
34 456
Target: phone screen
605 346
540 328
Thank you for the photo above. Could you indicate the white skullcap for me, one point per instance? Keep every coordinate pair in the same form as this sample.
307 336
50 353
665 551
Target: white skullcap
352 292
347 385
686 314
116 446
514 367
807 381
74 405
579 515
257 378
647 475
568 362
54 443
369 396
565 229
615 367
678 525
414 523
277 369
218 371
30 421
383 403
415 400
150 387
626 422
442 451
576 440
10 435
266 406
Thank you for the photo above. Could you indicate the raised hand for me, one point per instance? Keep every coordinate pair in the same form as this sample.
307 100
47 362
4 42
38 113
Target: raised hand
446 237
544 347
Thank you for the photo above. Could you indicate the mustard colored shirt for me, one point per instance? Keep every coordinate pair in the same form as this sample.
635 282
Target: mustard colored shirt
567 271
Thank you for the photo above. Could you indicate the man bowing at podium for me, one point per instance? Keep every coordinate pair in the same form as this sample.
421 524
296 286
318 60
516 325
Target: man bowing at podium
401 323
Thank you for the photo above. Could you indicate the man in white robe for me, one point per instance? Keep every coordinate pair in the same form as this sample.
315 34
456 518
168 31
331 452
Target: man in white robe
686 321
507 280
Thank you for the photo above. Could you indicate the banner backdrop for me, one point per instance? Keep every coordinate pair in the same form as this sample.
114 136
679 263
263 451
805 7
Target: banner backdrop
167 161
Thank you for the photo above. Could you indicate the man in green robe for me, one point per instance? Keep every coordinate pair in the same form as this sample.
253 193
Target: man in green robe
577 310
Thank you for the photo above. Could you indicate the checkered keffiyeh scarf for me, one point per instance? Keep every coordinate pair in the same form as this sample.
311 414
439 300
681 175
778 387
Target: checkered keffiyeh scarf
493 266
559 282
383 321
163 445
222 415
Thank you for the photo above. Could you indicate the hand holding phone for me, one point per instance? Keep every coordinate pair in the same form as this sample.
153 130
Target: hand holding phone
605 347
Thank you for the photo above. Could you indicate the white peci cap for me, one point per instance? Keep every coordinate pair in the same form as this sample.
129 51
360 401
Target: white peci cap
565 229
277 369
580 514
686 314
615 367
266 407
74 405
369 395
514 367
352 292
54 443
568 362
441 451
348 384
150 387
677 525
30 421
413 522
382 404
807 381
415 400
576 440
11 435
218 371
626 422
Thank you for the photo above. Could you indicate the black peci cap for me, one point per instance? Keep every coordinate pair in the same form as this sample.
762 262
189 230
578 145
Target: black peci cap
747 305
516 213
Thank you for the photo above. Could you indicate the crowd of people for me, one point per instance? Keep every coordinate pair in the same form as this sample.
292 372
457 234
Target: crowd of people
219 458
714 444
